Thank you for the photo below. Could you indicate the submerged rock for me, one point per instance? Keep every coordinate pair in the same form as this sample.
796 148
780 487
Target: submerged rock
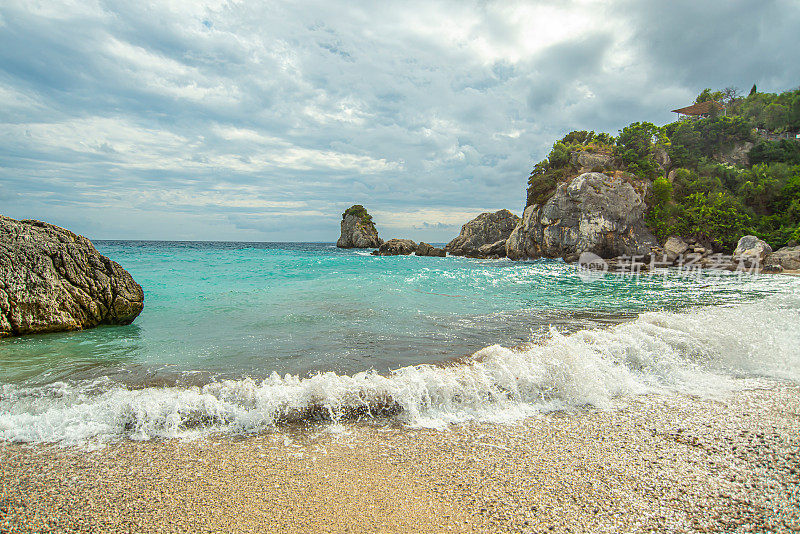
591 213
485 229
426 249
396 247
358 230
53 280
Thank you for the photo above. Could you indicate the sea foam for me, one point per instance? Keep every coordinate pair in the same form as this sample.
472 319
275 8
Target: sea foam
701 351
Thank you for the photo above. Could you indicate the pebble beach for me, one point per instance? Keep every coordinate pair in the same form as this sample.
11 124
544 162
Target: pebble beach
658 463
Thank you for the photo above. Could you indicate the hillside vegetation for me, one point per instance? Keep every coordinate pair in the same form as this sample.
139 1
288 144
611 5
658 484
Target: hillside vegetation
717 178
359 211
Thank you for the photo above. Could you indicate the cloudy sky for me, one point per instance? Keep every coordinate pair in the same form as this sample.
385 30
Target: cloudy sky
238 120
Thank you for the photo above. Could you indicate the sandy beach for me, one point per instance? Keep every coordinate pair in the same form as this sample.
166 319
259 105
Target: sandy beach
660 463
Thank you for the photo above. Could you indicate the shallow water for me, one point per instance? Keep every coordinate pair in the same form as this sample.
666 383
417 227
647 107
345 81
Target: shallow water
238 335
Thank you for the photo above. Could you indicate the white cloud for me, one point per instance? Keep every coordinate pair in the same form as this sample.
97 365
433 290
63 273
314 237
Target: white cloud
130 146
61 10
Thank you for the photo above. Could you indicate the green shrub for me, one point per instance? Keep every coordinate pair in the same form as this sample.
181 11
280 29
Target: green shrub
730 177
661 192
635 148
359 211
762 188
556 168
775 112
717 217
581 137
541 187
783 151
687 182
559 156
659 215
692 140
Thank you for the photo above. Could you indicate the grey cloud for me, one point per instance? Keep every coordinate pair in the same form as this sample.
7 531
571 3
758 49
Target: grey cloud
718 43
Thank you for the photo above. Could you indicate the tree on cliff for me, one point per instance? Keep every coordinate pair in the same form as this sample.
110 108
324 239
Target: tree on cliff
636 147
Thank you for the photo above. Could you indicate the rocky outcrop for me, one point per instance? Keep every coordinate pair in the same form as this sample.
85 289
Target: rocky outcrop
738 154
426 249
358 230
52 280
591 161
396 247
591 213
787 258
751 251
485 229
662 158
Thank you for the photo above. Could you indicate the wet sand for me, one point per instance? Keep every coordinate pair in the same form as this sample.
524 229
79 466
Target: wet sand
662 463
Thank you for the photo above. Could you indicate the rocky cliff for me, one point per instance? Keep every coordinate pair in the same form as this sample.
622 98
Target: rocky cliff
486 229
358 230
53 280
592 212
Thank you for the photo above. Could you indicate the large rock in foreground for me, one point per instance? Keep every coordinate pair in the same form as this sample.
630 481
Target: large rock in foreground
591 213
52 280
485 229
751 251
358 230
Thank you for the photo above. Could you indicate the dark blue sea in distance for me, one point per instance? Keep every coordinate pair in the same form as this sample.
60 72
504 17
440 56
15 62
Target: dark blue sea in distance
242 313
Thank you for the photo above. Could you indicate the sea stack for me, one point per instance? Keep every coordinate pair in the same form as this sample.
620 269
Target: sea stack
358 230
53 280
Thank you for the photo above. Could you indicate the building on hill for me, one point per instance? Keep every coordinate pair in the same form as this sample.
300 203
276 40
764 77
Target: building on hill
701 109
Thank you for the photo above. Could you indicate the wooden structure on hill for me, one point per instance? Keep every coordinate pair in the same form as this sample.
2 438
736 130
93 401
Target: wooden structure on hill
701 109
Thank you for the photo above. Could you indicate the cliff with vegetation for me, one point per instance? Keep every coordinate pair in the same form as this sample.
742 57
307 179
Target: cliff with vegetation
712 179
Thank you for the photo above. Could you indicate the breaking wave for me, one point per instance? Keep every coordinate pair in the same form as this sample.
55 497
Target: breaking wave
700 351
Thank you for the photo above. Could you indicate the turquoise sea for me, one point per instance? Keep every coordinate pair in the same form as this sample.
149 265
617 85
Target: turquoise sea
238 336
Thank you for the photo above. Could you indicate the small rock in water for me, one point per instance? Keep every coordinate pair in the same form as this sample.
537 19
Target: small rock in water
396 247
426 249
